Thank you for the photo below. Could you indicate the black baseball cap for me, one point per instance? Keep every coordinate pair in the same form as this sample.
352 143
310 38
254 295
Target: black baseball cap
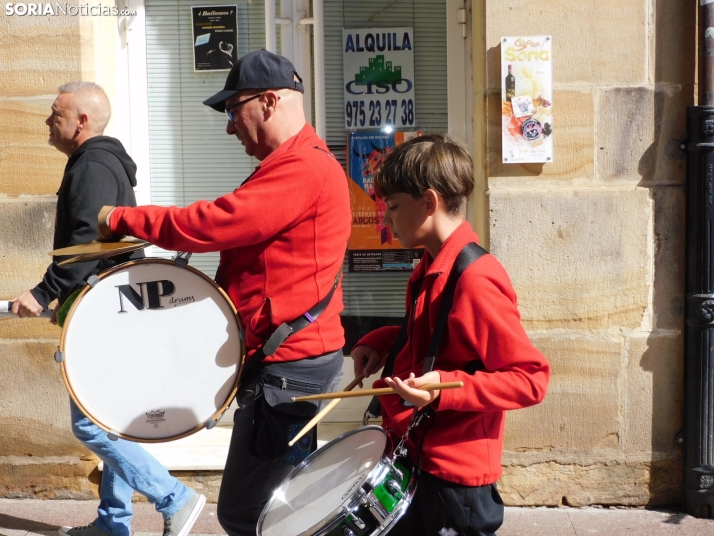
260 69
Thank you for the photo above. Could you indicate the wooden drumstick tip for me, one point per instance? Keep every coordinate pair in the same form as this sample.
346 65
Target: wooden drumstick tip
317 418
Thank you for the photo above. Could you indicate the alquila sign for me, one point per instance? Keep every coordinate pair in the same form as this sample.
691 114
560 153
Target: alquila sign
378 66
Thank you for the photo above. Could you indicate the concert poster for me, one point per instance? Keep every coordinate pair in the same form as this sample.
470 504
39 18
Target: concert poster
371 247
215 37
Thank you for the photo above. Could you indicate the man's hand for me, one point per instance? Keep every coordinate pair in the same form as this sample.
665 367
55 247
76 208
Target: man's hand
366 361
408 389
26 306
103 230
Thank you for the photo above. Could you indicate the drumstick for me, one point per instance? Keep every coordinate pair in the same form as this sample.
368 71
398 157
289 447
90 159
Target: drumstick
317 418
6 306
382 391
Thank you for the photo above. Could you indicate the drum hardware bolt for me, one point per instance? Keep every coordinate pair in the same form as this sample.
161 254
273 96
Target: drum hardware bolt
358 522
92 280
59 356
113 435
398 473
210 423
348 532
284 382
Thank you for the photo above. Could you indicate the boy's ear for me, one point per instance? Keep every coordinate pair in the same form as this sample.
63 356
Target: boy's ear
432 201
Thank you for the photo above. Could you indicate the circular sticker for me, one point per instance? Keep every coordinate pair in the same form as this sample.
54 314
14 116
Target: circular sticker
531 129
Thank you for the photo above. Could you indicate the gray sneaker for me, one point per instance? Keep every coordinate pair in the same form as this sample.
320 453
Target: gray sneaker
181 522
85 530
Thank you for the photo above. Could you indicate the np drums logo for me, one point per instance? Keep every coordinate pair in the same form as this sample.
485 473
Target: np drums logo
149 295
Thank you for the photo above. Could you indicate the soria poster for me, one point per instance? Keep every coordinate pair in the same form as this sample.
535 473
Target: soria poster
527 99
371 247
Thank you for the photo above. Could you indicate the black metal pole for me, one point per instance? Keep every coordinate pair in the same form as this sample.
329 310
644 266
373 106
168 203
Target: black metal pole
698 432
699 329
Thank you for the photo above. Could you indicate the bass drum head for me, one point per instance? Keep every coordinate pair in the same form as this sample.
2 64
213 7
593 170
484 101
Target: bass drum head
152 351
317 488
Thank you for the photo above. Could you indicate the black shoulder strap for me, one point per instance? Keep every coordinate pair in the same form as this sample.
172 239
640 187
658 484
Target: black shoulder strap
468 255
471 253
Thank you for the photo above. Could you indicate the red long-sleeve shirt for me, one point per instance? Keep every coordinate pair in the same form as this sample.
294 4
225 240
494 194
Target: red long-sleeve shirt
464 442
282 237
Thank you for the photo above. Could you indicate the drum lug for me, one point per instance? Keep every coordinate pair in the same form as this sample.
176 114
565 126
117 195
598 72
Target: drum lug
59 356
376 508
92 280
395 488
181 258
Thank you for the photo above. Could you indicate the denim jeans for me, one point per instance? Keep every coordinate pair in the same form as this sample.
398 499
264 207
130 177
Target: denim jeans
249 481
127 467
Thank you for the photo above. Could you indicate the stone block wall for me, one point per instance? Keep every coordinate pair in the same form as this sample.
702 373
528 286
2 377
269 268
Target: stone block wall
594 243
39 456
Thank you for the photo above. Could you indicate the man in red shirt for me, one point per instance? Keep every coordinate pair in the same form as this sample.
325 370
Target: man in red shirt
282 237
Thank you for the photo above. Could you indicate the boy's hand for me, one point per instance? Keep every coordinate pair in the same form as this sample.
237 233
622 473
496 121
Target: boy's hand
408 389
366 361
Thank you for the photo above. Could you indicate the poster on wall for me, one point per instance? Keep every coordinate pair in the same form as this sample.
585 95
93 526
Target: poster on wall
215 37
527 99
371 246
378 71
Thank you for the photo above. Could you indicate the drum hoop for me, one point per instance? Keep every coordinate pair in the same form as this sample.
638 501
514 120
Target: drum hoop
329 521
219 412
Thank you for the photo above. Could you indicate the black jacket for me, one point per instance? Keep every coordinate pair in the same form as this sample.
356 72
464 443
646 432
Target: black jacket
98 173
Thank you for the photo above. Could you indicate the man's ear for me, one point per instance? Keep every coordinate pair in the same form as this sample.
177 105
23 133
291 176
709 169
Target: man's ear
82 122
271 102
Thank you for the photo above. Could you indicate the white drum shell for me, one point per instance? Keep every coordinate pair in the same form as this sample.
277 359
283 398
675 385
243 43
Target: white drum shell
152 374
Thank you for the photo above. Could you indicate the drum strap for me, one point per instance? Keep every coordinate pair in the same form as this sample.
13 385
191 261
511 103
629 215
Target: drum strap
288 328
468 255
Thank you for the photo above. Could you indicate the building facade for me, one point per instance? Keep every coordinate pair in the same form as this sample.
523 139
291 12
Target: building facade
593 241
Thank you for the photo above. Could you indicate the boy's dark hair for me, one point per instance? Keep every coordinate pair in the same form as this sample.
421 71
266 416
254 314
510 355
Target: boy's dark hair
428 161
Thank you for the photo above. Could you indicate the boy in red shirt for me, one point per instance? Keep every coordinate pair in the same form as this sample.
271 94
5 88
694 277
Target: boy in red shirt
425 183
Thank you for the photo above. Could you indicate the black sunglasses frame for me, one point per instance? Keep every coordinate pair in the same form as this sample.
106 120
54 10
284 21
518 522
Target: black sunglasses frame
229 113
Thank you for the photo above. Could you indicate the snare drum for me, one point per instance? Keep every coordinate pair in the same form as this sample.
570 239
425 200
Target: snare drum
349 487
151 350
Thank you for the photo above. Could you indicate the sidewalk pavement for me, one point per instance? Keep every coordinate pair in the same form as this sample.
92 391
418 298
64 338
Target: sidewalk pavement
28 517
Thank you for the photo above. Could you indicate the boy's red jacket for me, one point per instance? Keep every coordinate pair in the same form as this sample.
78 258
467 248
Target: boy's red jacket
464 442
282 237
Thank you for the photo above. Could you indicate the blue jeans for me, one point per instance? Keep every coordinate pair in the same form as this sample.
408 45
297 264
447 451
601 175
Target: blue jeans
127 467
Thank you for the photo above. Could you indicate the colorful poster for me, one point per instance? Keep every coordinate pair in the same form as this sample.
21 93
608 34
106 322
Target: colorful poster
371 247
527 99
215 37
379 78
